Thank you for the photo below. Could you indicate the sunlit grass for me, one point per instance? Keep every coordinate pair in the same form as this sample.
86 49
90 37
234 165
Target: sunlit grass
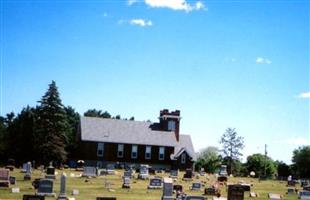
95 187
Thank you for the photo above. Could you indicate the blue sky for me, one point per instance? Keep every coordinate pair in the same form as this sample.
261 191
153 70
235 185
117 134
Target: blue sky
241 64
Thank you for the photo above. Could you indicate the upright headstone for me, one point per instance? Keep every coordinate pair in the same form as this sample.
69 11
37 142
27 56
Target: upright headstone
33 197
89 172
188 174
28 171
12 180
127 174
62 194
167 189
222 174
235 192
178 188
174 174
46 188
24 169
4 177
196 186
126 182
50 172
155 183
210 191
144 172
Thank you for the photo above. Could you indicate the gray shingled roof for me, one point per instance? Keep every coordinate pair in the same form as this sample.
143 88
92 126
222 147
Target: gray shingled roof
131 132
124 131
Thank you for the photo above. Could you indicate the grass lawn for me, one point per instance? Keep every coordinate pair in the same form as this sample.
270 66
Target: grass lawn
95 187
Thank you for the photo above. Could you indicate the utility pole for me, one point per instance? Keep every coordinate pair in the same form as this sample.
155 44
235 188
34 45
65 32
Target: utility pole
265 163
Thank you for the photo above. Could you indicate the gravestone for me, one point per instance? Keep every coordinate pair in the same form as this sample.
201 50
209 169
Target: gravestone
50 172
46 188
33 197
89 172
223 174
304 195
110 169
307 188
62 194
126 182
196 186
290 191
75 192
28 171
210 191
155 183
174 174
291 183
105 198
235 192
144 172
36 182
15 190
24 169
194 198
178 188
4 177
273 196
152 171
188 174
128 174
167 189
219 198
253 195
202 172
12 180
246 187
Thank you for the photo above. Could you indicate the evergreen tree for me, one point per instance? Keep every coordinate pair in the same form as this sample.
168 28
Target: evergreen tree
232 145
52 125
73 119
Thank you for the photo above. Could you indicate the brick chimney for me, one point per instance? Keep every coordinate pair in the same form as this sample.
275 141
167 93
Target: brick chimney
170 121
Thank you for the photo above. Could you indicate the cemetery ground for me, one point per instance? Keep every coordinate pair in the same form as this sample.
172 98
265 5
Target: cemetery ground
111 186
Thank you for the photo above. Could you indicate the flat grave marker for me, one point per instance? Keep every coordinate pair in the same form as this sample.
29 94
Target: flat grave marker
105 198
210 191
304 195
15 190
273 196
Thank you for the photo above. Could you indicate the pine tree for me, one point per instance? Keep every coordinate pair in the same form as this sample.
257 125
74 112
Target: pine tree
51 127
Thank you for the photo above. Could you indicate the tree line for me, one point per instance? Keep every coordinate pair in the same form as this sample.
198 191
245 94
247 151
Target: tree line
47 132
211 158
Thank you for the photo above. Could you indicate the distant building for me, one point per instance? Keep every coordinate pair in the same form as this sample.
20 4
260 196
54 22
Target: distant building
105 141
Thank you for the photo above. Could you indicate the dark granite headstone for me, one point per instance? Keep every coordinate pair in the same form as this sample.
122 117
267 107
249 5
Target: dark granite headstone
178 188
105 198
188 174
210 191
235 192
167 189
33 197
155 183
46 187
196 186
12 180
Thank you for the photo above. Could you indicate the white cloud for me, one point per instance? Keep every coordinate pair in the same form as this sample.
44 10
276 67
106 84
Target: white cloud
131 2
260 60
297 141
176 5
141 22
304 95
